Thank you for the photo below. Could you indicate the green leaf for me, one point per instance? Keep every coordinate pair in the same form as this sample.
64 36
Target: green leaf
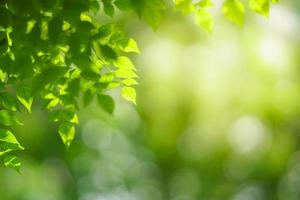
260 6
108 52
86 17
113 85
8 101
88 97
53 103
205 20
106 102
94 6
7 118
205 3
124 43
123 4
125 73
129 82
108 7
5 152
5 18
55 28
124 62
151 11
74 87
12 162
104 31
129 94
9 141
234 10
64 115
131 46
25 98
66 131
185 6
3 76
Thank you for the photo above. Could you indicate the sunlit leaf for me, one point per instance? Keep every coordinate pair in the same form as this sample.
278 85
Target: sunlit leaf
125 73
131 46
9 141
129 82
205 3
185 6
66 131
12 162
124 62
260 6
205 20
24 96
234 10
129 94
7 118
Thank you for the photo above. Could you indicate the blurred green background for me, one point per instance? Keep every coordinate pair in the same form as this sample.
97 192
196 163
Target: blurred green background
218 117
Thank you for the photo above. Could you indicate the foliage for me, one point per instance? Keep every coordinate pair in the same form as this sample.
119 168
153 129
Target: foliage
56 51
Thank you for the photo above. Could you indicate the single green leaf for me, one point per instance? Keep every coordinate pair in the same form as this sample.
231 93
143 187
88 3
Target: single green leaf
205 3
88 97
124 43
90 75
108 52
113 85
3 76
52 103
104 31
124 62
234 10
9 141
108 7
74 87
5 152
64 115
123 4
5 17
55 28
129 94
94 6
8 101
7 118
66 131
151 11
86 17
129 82
185 6
131 46
205 20
125 73
25 98
106 102
12 162
260 6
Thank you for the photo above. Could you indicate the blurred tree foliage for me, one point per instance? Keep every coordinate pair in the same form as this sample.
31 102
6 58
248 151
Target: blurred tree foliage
55 51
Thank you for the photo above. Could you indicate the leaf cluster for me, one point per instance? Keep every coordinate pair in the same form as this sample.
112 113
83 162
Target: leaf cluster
57 52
